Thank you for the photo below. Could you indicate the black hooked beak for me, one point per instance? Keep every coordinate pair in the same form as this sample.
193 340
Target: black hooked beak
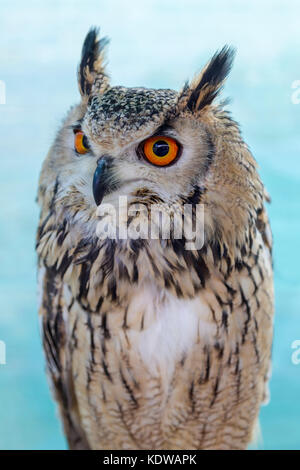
104 181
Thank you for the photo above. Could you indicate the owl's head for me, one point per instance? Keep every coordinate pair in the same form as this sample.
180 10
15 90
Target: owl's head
153 146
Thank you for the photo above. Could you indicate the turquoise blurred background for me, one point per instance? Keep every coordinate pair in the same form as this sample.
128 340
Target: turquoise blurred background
155 44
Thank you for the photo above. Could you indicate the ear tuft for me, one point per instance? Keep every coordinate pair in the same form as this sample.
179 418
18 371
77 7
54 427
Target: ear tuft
207 86
91 65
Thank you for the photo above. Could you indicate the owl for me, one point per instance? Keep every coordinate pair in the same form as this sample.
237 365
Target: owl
154 342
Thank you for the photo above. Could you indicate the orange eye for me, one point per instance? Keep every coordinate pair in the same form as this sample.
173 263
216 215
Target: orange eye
160 150
81 143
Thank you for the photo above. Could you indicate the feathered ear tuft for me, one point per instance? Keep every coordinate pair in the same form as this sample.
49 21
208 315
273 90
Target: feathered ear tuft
91 67
204 89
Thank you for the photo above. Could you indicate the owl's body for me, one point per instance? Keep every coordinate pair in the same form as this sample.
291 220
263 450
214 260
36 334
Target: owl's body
151 345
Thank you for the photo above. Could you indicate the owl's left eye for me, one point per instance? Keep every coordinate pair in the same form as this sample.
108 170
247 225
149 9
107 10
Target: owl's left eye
80 142
160 150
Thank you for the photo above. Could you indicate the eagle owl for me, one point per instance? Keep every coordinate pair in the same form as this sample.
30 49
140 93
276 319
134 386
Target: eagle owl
150 344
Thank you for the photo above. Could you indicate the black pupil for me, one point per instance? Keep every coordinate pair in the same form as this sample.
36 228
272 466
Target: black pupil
85 142
161 148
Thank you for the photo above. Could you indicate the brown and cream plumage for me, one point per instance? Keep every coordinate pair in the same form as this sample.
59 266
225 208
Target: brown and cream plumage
150 345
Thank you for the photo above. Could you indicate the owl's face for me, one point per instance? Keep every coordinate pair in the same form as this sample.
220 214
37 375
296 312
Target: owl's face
153 146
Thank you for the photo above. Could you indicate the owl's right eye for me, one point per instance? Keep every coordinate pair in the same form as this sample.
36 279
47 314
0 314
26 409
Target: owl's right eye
80 142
